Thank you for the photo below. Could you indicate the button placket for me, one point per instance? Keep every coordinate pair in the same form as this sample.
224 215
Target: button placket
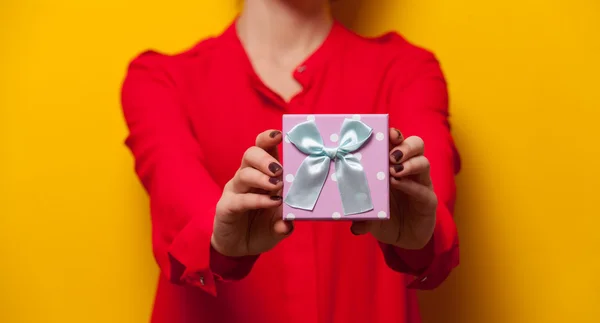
298 100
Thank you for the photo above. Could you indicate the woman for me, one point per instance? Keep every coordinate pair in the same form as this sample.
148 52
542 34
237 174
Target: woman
223 249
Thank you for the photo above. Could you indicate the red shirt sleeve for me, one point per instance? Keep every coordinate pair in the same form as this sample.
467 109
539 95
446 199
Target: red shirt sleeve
169 163
419 107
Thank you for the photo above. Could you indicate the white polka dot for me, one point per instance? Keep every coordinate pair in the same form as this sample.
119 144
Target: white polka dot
287 139
289 178
290 216
379 136
310 118
356 117
334 137
334 177
382 215
381 176
358 156
336 215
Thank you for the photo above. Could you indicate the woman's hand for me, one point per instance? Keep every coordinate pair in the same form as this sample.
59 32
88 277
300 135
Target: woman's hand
248 219
413 202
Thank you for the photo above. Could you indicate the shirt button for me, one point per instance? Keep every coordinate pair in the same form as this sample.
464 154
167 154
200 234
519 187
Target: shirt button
424 279
301 69
202 280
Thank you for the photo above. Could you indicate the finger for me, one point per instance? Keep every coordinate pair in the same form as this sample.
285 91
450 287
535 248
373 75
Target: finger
248 178
360 227
418 165
283 228
416 190
410 147
396 137
258 158
252 201
268 141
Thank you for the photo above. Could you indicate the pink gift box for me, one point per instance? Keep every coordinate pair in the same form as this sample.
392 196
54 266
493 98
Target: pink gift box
373 155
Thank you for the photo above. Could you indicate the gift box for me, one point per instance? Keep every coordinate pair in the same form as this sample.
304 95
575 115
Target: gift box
336 167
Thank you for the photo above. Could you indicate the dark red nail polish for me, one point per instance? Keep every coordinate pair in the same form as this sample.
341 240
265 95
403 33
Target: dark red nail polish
399 133
291 230
274 133
397 154
276 198
274 180
274 167
398 168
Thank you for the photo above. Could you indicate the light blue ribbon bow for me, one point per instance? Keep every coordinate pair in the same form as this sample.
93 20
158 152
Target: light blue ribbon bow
312 173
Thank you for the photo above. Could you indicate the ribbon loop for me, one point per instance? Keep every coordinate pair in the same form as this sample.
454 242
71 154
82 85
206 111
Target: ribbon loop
312 173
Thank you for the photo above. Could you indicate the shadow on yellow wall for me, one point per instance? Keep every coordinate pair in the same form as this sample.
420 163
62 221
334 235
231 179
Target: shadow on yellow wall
74 228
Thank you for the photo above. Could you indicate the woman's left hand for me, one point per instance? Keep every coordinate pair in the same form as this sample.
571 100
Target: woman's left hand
413 202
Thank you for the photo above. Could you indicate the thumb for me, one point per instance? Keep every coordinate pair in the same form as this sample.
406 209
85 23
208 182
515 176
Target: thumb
283 228
360 227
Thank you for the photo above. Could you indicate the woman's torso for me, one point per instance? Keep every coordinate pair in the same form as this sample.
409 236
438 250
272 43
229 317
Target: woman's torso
322 273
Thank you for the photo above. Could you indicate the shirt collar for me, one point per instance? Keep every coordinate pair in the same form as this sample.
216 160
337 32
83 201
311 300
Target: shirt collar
306 71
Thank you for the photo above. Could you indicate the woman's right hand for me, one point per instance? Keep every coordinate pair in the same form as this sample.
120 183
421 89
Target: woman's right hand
248 219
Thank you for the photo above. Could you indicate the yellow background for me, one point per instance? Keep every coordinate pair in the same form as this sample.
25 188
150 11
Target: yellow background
524 81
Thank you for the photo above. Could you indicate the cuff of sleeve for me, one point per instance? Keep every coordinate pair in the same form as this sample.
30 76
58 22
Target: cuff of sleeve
189 256
194 261
432 264
439 269
229 269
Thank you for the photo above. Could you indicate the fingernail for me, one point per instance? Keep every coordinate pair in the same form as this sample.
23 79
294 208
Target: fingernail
397 154
276 198
274 167
399 133
352 228
291 230
398 168
274 133
274 180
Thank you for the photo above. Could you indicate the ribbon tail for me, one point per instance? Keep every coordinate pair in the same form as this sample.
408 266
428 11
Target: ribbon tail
308 183
353 185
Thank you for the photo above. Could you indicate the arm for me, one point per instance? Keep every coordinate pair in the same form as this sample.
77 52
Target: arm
420 108
169 163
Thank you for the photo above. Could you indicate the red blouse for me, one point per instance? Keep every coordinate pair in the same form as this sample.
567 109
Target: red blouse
192 115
